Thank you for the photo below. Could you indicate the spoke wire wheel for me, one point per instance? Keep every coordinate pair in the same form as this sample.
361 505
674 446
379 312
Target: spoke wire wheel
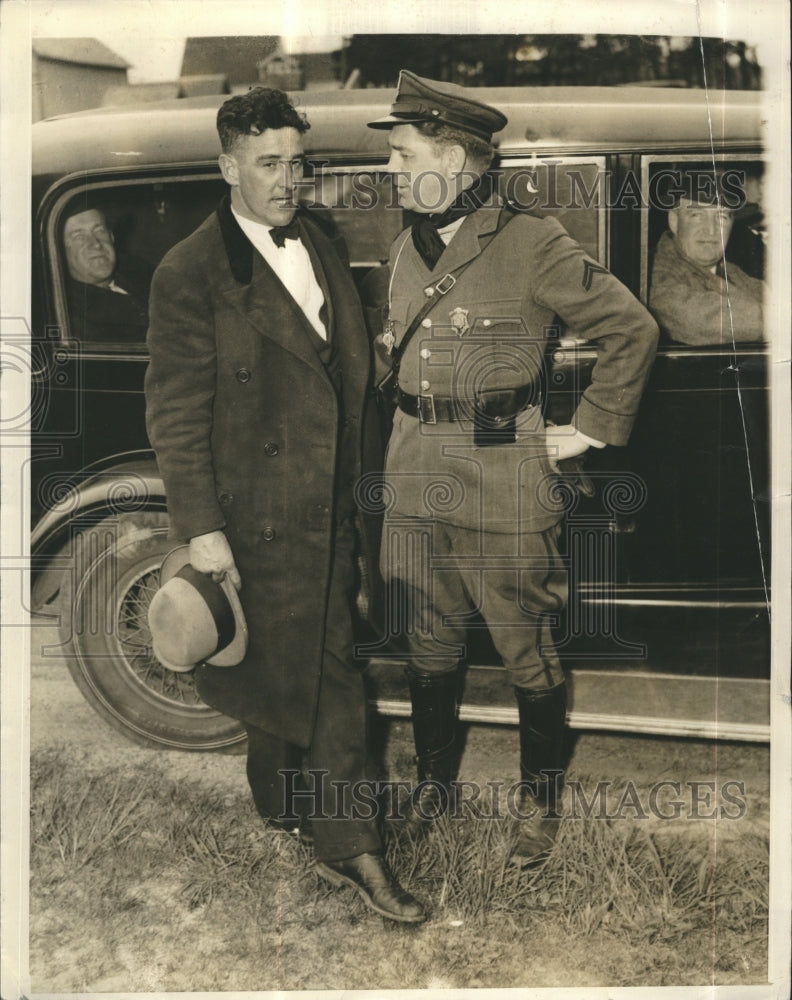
106 596
132 636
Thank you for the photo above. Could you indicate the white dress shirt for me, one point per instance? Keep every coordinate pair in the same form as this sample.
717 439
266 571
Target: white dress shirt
292 265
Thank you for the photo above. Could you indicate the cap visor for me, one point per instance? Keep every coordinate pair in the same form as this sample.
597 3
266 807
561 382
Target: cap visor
389 121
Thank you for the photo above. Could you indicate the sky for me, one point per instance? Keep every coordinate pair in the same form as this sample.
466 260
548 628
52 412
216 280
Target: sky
150 34
161 59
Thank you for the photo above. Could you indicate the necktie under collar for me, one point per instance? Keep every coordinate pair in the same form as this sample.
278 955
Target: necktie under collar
426 239
280 234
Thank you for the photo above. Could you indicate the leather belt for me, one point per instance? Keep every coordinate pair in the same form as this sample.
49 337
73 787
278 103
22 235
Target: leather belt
431 409
428 408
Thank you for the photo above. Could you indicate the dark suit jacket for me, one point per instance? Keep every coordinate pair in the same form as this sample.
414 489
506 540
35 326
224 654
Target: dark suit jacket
100 315
245 422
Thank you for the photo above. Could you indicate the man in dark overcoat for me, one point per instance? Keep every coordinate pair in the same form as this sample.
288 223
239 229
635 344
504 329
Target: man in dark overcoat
108 298
473 514
255 403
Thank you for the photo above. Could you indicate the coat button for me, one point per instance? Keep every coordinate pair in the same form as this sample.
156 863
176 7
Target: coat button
243 375
271 449
268 534
225 496
426 353
426 323
426 385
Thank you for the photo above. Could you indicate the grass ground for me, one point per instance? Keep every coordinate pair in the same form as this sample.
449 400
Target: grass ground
145 883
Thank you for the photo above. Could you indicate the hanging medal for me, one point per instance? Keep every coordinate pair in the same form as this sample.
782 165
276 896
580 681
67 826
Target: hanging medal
388 336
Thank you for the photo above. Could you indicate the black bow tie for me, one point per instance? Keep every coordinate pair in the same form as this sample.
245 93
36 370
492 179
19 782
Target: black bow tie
280 234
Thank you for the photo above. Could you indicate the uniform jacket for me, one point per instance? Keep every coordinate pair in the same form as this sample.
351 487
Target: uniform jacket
245 421
489 333
695 306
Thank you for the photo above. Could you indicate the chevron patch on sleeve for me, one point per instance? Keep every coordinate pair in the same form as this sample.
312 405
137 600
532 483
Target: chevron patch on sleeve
590 268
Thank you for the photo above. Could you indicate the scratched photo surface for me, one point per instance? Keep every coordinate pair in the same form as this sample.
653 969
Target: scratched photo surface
625 280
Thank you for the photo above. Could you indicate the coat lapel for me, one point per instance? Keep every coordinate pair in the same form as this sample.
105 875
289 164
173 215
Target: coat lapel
319 272
271 310
261 297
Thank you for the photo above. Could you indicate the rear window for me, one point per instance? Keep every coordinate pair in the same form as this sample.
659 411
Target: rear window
703 238
118 232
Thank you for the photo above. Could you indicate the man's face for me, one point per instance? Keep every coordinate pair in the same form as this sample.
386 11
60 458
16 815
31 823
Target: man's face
263 171
420 168
89 248
702 231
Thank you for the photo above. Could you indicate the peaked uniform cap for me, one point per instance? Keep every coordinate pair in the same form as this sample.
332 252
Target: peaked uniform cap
419 100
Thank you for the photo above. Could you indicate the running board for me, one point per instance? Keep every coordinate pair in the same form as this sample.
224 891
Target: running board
723 708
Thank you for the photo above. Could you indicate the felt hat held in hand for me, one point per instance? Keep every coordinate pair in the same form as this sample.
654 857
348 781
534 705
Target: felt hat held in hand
193 619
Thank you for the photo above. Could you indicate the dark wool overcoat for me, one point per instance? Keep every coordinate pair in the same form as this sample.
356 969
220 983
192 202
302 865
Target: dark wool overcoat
245 422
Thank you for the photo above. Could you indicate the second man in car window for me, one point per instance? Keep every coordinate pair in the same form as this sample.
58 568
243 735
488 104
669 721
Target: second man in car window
108 300
696 294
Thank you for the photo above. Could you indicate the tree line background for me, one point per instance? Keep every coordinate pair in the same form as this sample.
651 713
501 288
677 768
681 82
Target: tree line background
552 60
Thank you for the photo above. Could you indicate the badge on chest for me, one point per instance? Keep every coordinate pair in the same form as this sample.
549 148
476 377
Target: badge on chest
459 320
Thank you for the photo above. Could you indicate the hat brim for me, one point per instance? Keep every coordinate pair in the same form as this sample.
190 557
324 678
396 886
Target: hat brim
234 652
390 121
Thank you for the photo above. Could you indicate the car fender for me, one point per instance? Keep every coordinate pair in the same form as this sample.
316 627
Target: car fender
91 496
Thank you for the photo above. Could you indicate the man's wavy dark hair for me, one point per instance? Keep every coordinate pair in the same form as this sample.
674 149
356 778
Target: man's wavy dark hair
254 112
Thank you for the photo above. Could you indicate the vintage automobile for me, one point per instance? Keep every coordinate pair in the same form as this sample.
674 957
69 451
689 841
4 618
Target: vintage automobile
667 629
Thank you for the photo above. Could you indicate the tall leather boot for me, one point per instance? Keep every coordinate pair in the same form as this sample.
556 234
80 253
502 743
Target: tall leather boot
542 761
434 719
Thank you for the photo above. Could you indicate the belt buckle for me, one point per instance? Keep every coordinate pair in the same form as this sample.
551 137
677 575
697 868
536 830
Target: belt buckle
426 409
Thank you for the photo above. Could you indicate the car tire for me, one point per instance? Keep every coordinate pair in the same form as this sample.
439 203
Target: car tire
106 591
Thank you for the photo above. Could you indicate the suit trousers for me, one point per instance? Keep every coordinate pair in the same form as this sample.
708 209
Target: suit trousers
443 577
330 782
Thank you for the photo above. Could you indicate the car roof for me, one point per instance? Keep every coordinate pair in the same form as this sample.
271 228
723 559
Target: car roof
541 119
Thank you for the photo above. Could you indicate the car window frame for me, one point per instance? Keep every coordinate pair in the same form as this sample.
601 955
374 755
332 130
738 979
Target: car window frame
507 161
53 257
646 163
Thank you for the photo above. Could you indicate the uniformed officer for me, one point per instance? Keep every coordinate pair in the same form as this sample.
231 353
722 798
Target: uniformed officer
472 520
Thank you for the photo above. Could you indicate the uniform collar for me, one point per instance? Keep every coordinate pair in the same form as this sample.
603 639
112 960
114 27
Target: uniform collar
466 244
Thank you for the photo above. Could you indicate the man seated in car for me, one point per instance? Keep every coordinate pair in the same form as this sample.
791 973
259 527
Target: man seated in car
108 301
696 294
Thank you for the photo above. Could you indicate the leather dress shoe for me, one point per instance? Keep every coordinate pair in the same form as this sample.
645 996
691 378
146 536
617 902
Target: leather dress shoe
371 878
